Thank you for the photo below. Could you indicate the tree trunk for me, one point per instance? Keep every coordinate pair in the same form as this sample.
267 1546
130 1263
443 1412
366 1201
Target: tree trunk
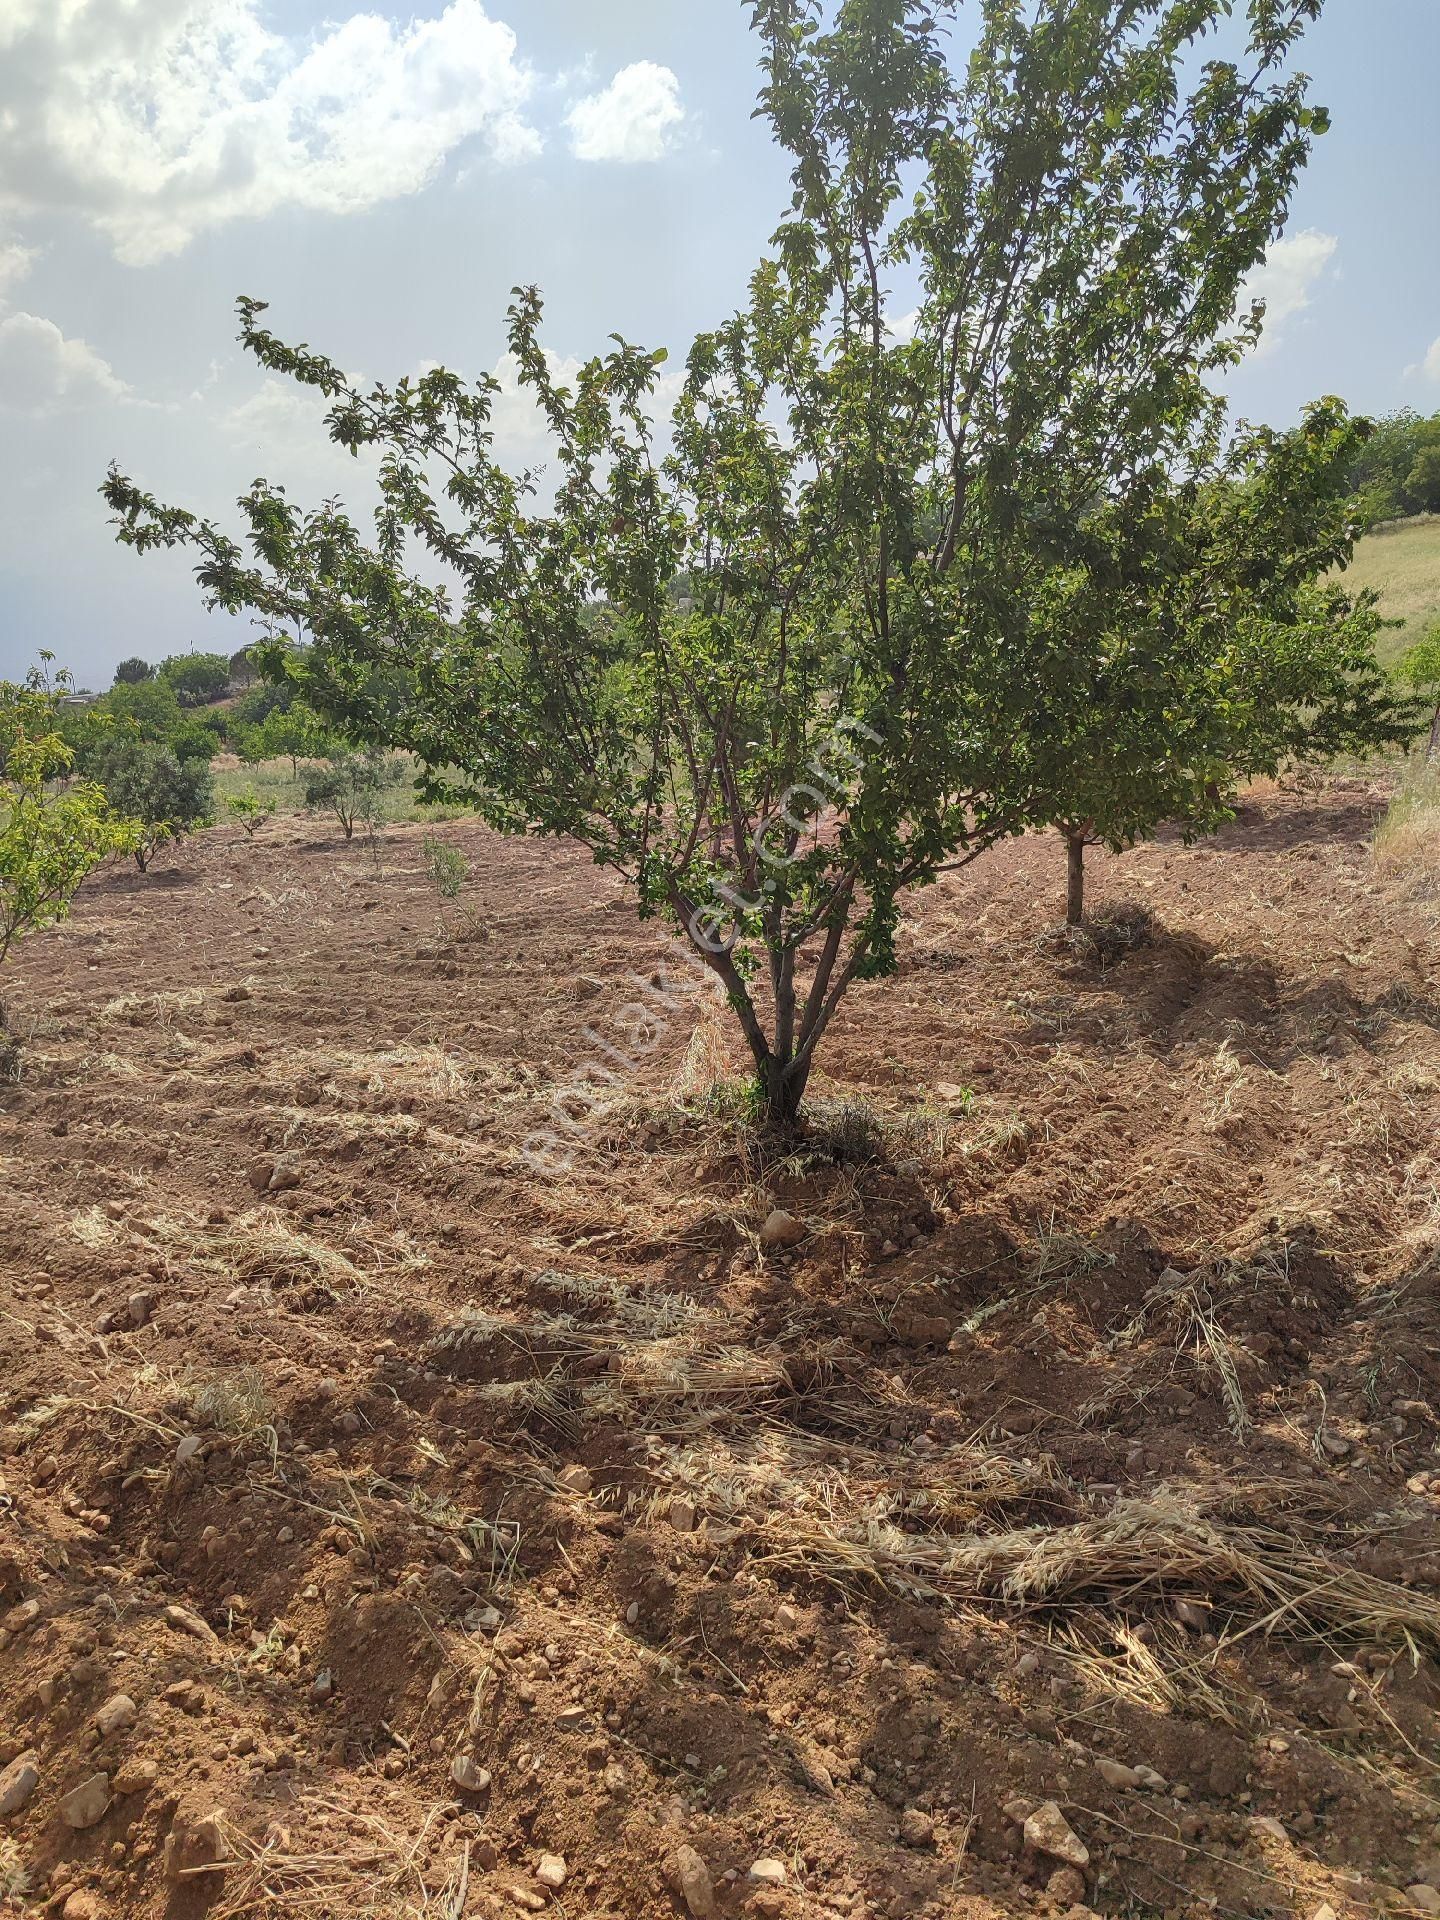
1434 747
1074 879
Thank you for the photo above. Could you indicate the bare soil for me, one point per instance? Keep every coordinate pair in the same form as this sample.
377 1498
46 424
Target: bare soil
438 1508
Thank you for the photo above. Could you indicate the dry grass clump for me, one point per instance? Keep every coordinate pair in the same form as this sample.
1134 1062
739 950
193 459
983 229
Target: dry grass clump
1141 1551
236 1403
1409 832
373 1874
258 1248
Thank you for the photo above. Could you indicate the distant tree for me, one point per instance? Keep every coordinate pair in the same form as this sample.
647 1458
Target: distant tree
1208 646
1419 669
259 702
864 515
294 732
130 672
167 797
1397 471
1421 491
146 708
198 678
243 671
350 786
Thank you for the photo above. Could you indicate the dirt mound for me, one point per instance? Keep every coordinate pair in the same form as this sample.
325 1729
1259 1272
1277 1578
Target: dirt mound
401 1518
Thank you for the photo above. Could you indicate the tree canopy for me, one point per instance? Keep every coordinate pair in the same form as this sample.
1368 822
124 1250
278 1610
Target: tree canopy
823 669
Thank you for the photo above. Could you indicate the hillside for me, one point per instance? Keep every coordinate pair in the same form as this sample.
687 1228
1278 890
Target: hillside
395 1525
1402 563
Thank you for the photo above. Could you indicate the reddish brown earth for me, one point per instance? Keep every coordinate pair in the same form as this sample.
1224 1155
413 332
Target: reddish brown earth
1092 1420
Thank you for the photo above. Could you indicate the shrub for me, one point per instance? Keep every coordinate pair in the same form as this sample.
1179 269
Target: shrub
1419 669
350 786
249 811
447 867
168 797
49 839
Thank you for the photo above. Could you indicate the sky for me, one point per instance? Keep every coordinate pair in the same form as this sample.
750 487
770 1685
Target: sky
384 174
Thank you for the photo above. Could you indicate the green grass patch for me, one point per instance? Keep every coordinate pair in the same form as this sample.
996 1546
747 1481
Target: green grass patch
274 780
1402 564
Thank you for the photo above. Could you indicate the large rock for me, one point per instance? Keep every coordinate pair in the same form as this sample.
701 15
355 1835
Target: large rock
118 1712
688 1878
84 1806
781 1230
17 1782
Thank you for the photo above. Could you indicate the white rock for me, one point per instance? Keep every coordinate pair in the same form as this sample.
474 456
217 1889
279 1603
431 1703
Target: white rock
552 1871
1048 1831
767 1873
468 1775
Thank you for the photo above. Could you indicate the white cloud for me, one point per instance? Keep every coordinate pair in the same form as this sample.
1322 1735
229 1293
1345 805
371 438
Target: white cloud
1291 271
40 368
15 262
161 121
1429 367
631 119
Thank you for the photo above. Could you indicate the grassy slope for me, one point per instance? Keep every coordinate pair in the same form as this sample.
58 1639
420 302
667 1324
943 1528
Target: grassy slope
273 780
1403 565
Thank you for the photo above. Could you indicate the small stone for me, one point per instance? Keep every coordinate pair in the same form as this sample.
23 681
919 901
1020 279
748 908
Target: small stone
184 1621
187 1449
1194 1614
468 1775
781 1229
632 1613
682 1516
1264 1823
1148 1777
140 1307
18 1619
118 1712
323 1685
82 1904
572 1719
1116 1774
575 1478
552 1871
1324 1912
917 1829
137 1776
1426 1898
1066 1886
1048 1831
1335 1444
767 1873
84 1806
688 1877
259 1175
17 1782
